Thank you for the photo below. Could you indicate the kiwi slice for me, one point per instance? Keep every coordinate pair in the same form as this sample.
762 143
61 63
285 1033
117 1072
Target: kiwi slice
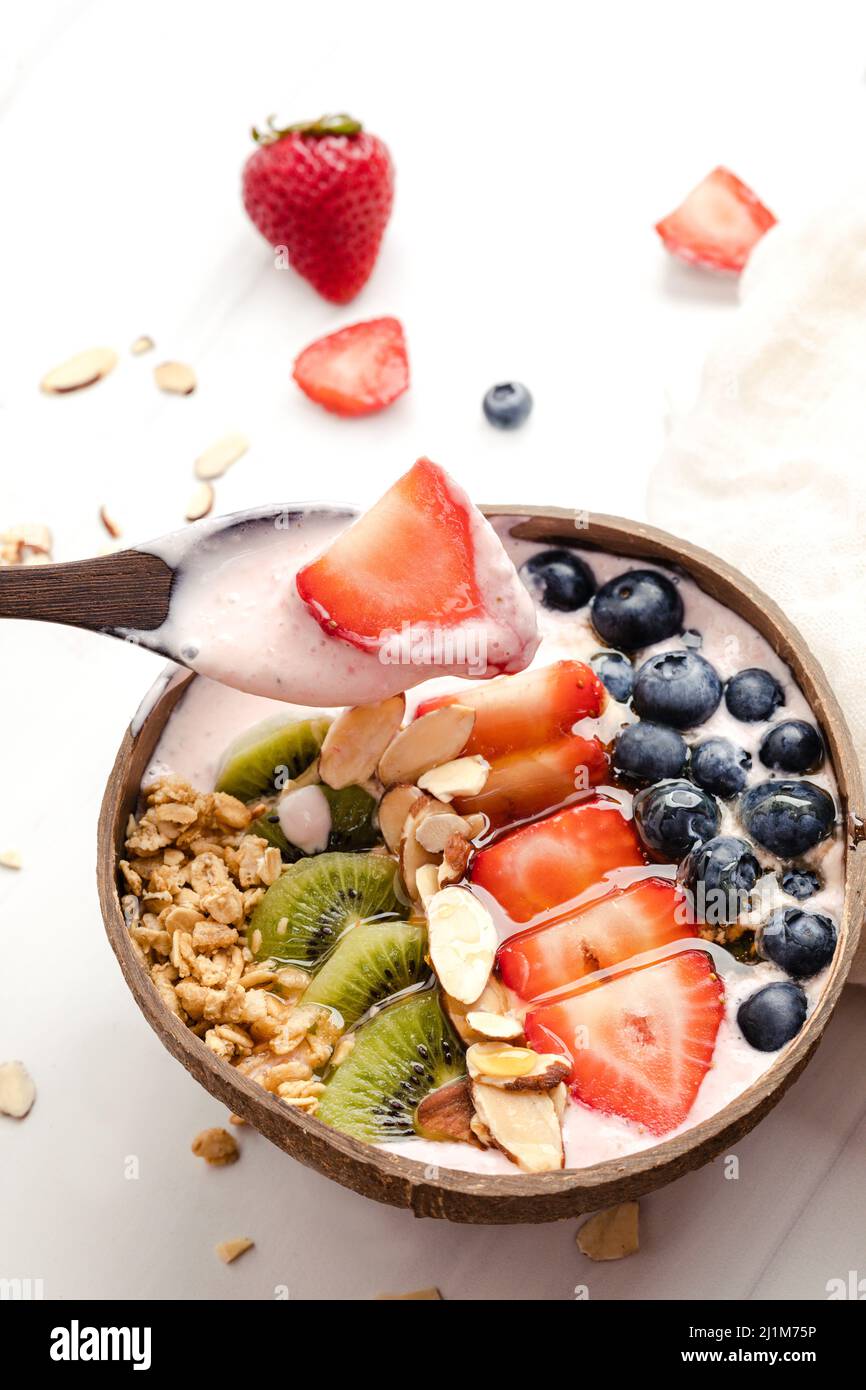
369 963
319 898
353 818
268 755
353 823
400 1054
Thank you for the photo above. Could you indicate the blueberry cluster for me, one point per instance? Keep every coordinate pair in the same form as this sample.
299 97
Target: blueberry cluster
679 786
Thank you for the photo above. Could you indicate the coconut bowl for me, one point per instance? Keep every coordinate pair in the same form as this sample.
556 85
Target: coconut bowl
485 1198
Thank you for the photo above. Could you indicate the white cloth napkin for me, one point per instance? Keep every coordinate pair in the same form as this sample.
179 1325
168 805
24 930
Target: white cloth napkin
768 468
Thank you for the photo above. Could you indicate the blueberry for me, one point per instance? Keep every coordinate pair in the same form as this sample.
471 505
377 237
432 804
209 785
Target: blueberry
800 942
720 876
560 579
772 1016
616 672
672 817
678 688
787 818
800 883
753 695
720 767
636 609
649 752
792 746
507 404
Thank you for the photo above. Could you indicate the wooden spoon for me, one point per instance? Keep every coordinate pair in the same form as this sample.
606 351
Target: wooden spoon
129 593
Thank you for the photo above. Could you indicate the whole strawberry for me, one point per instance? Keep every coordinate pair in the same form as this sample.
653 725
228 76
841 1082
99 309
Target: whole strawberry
322 189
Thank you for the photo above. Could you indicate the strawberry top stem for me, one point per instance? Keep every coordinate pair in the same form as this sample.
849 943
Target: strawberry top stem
325 125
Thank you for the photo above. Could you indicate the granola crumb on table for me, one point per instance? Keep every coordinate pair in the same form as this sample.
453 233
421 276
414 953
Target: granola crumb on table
216 1146
194 876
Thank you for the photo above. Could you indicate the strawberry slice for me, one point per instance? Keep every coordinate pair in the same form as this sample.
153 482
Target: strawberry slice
640 1043
628 921
718 224
531 780
409 559
547 864
524 711
357 370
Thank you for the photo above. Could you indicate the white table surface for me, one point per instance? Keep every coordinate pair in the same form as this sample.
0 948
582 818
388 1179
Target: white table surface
535 147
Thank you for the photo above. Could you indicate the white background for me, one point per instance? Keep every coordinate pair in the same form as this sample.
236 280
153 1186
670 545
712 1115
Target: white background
535 147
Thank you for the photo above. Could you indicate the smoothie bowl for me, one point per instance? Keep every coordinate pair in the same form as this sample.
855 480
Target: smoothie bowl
552 911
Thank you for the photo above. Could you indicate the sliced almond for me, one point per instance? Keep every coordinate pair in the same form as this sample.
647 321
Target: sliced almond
455 861
559 1096
218 459
462 942
109 523
481 1132
446 1114
492 999
496 1027
611 1234
17 1091
229 1250
516 1068
142 345
435 738
460 777
523 1124
84 369
414 858
200 503
10 858
491 1060
426 883
32 535
356 741
478 824
436 830
175 377
394 809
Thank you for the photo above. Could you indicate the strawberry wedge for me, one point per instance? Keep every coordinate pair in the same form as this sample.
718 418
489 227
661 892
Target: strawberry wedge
630 920
718 224
422 581
539 868
640 1043
357 370
524 711
532 780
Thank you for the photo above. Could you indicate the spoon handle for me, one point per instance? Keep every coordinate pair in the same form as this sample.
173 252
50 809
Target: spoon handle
127 590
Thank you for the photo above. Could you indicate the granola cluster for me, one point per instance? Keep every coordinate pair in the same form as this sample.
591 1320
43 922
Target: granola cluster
194 876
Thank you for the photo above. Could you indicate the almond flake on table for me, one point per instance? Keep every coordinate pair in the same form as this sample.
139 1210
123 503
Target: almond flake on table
610 1234
10 858
142 345
200 503
84 369
218 459
109 523
17 1091
230 1250
177 378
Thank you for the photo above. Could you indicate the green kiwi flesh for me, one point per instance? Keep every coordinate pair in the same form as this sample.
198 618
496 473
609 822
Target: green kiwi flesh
401 1054
264 758
319 898
370 962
